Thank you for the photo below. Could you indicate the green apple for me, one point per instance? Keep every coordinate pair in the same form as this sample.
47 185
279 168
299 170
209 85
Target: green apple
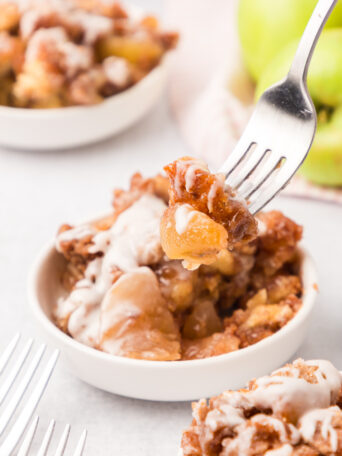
266 26
325 71
323 165
324 162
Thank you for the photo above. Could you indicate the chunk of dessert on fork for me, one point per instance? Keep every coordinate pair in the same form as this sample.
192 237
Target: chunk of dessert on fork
204 217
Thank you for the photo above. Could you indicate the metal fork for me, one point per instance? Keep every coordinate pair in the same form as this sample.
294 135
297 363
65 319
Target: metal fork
15 433
280 132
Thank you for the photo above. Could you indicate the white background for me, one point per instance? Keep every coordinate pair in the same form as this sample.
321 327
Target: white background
40 191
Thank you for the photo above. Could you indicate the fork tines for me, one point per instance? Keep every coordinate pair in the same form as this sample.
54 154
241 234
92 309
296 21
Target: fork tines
251 170
12 390
27 442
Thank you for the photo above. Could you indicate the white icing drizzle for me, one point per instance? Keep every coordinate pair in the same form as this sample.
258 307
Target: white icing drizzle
34 10
78 232
224 416
123 313
124 327
73 57
28 22
76 58
84 322
117 71
287 433
190 174
190 167
132 241
283 450
183 216
281 392
83 294
327 372
309 422
217 185
48 37
94 26
6 42
245 432
262 227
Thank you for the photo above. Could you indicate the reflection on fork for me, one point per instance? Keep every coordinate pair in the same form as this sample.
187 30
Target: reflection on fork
12 390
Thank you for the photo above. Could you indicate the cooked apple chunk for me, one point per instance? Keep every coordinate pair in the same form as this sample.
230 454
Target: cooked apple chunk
192 236
143 53
135 320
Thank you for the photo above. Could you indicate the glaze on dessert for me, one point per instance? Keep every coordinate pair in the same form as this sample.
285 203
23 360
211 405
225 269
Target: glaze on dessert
126 296
294 411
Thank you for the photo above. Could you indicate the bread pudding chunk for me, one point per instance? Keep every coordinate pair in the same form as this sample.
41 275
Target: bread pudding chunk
126 296
204 216
293 411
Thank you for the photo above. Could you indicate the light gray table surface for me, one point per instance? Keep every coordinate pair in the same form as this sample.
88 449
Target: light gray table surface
39 191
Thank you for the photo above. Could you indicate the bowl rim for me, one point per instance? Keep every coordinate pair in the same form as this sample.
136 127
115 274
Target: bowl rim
307 271
12 111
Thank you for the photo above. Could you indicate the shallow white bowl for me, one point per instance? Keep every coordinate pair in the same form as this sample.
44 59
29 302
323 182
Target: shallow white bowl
164 381
61 128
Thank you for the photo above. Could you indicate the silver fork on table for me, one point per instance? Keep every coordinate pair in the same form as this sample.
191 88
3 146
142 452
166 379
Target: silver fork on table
280 132
13 388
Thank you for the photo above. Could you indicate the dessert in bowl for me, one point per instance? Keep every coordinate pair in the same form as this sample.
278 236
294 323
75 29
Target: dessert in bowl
77 54
180 277
294 411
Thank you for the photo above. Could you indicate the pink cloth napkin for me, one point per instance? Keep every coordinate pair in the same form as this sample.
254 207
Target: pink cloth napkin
210 92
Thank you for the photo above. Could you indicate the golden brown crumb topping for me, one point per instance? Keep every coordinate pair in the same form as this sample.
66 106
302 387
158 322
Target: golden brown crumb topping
243 295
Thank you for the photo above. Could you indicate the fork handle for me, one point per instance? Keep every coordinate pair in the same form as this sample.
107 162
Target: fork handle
307 44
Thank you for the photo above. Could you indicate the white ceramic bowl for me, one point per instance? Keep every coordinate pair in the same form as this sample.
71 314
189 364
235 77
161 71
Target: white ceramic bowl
61 128
167 380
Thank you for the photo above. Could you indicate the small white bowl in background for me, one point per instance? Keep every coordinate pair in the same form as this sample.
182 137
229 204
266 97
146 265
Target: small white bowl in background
73 126
166 380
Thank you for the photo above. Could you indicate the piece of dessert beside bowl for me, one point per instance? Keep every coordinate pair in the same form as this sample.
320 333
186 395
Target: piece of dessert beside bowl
179 281
76 53
295 411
